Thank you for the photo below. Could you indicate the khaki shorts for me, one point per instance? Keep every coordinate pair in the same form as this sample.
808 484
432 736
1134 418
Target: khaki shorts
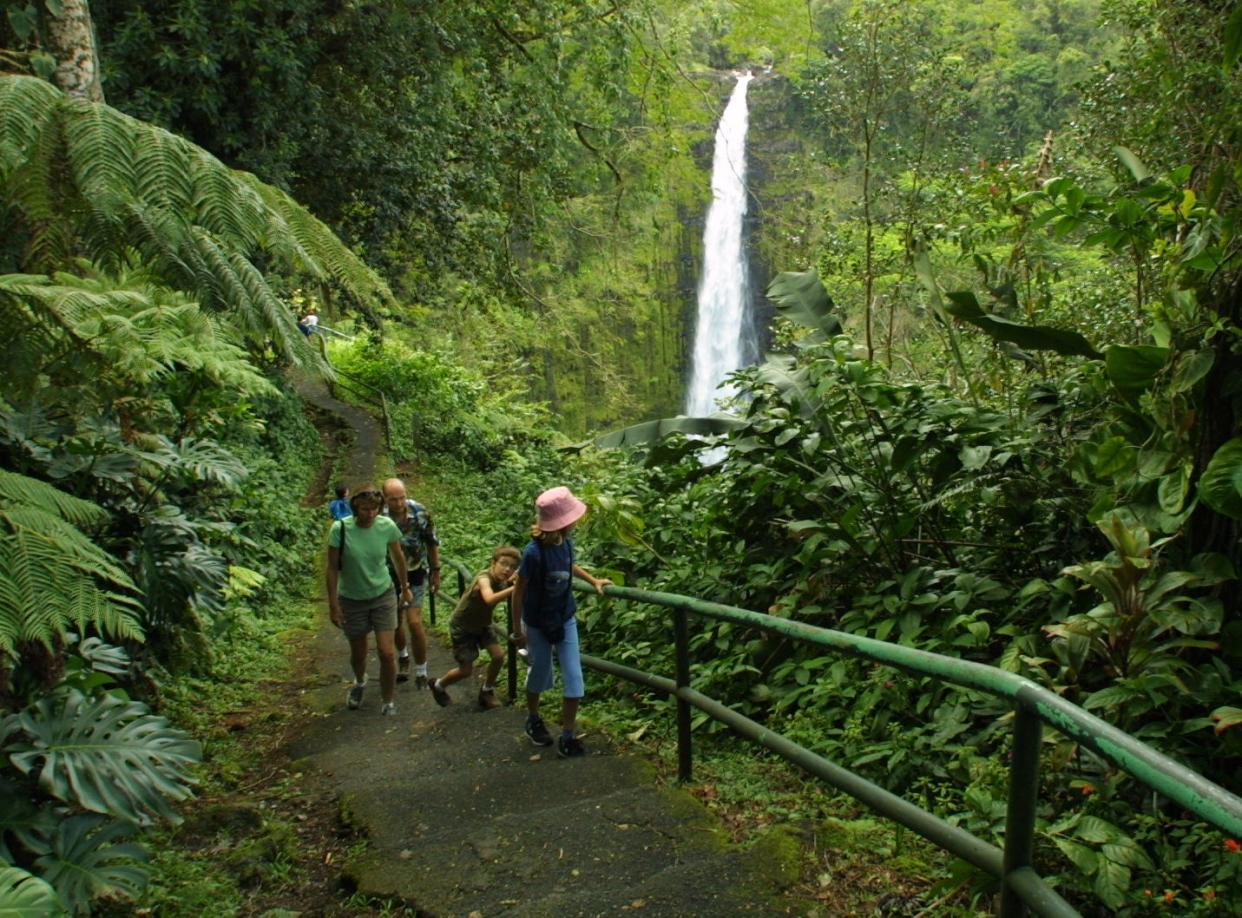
359 617
468 644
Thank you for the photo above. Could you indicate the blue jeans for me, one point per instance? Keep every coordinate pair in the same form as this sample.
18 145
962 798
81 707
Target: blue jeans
539 676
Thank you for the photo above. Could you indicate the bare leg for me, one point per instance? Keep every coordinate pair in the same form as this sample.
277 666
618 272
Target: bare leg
384 646
569 713
532 703
358 658
493 668
418 634
456 674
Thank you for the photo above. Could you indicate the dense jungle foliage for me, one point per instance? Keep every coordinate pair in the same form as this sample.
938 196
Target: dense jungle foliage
1000 419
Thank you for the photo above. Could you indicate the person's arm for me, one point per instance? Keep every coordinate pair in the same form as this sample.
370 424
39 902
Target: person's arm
397 556
333 580
490 596
433 560
517 633
598 582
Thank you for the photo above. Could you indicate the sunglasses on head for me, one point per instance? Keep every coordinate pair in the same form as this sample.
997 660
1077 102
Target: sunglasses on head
367 495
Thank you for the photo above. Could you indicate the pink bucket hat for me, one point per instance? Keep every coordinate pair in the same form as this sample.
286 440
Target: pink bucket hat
558 508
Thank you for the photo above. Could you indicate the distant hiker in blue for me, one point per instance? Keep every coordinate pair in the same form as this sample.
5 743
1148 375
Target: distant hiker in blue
360 594
543 610
339 508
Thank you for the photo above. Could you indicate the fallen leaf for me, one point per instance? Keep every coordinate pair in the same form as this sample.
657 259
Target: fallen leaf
637 734
536 757
406 854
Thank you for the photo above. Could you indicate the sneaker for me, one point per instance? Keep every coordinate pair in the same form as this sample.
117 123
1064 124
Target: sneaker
488 700
403 668
538 731
441 695
570 747
420 681
389 708
354 699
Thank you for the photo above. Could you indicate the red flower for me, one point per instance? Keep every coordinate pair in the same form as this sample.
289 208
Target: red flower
1088 789
1169 895
1209 894
1232 846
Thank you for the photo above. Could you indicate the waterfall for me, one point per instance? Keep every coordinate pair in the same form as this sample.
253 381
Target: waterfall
723 330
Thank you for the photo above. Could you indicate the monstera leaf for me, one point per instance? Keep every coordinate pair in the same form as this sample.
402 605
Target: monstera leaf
23 895
104 754
89 858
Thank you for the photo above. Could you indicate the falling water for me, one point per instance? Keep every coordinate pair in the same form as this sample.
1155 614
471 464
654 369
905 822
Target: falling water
720 342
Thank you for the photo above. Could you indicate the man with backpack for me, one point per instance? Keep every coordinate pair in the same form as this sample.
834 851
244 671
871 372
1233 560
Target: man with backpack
422 554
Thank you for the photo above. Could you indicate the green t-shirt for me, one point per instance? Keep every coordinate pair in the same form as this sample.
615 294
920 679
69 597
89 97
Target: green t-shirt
364 574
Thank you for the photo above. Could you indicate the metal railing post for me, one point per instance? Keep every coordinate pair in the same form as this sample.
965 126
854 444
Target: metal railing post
431 604
681 630
1020 816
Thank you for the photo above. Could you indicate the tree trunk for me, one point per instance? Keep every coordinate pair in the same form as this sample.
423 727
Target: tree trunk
71 40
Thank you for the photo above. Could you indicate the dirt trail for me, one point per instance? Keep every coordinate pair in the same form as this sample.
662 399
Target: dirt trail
464 816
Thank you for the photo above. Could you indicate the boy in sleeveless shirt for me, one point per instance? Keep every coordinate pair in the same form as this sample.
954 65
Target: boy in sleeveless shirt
471 628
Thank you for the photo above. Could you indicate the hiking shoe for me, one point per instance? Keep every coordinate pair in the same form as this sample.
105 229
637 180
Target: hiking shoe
420 681
403 668
441 695
569 747
488 700
353 700
538 731
389 708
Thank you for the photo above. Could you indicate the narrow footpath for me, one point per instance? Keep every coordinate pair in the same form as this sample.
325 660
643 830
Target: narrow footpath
463 816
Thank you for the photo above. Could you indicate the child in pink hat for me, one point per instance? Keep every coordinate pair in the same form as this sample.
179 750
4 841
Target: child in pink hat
543 610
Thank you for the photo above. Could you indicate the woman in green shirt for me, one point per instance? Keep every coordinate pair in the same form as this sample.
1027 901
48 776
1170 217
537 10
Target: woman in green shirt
360 595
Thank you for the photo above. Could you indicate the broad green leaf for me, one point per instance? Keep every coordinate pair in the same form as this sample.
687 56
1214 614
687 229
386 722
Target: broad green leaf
1232 43
1080 855
1132 369
1192 368
90 859
974 457
1113 457
1111 882
1220 486
801 298
650 431
23 895
964 306
105 754
1226 717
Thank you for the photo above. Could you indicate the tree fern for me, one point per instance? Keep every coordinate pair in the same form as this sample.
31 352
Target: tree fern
86 179
138 332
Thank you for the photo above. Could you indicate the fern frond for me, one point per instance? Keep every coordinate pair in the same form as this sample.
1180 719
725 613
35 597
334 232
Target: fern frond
26 107
20 490
163 173
101 151
79 551
275 316
43 594
295 223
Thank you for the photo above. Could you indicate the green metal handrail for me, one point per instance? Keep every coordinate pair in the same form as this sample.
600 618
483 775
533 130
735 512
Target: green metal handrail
1033 706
